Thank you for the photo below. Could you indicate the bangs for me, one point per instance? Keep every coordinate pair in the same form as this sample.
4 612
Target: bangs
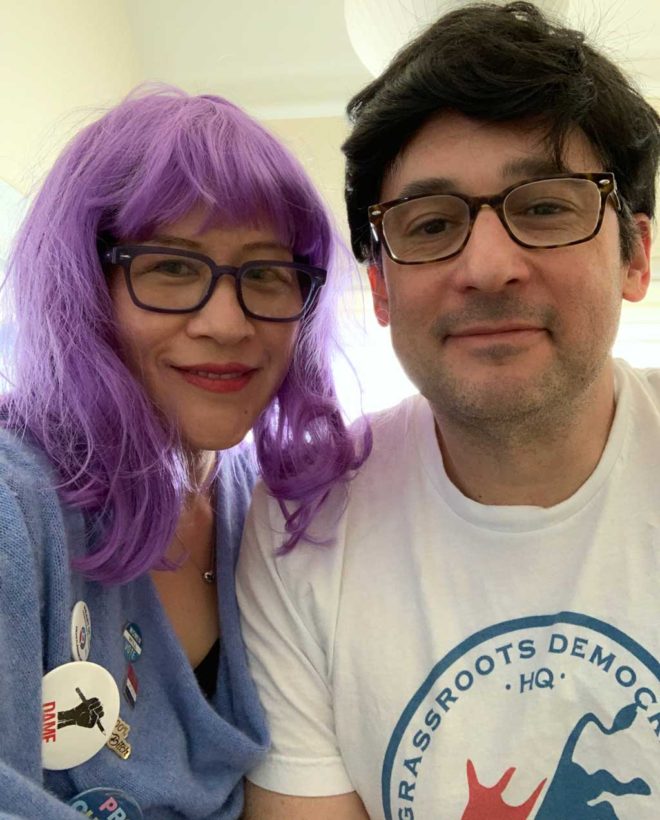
221 161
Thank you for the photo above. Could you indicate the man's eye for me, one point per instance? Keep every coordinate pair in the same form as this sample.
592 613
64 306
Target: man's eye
546 208
428 226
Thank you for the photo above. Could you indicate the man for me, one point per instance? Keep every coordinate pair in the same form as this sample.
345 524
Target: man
480 639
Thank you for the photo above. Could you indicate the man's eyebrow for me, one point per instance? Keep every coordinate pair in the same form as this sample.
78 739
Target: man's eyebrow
430 185
531 167
516 169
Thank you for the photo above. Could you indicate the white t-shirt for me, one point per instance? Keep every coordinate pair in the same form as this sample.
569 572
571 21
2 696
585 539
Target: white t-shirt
447 659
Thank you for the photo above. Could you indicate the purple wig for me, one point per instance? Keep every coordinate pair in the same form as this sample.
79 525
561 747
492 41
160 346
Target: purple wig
146 163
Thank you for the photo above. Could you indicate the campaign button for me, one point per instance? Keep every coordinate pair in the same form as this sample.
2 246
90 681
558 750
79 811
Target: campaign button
80 707
81 632
107 804
132 642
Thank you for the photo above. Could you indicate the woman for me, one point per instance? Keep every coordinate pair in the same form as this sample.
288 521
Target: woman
170 294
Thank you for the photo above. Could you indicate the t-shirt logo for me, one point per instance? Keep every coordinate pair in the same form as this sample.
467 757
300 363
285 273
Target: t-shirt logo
544 717
571 789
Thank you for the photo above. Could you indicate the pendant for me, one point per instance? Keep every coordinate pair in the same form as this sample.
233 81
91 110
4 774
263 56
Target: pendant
209 576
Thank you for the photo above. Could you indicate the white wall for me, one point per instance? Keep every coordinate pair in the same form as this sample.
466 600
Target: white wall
59 62
317 144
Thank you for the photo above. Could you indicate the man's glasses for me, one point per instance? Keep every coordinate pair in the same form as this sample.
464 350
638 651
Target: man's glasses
167 280
537 213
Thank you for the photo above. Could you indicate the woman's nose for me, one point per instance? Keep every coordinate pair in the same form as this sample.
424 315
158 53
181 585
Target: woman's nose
222 317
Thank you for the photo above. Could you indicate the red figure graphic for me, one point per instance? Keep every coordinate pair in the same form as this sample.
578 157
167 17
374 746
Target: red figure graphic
486 803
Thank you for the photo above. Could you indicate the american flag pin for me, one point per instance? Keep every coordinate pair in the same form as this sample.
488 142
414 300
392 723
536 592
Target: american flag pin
131 685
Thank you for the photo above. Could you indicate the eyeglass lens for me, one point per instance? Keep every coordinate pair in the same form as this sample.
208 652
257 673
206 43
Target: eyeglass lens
542 213
181 283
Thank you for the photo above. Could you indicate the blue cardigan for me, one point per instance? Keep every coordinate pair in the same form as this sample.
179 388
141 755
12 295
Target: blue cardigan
188 754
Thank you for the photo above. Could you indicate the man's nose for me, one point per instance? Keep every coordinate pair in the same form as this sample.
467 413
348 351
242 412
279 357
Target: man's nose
491 259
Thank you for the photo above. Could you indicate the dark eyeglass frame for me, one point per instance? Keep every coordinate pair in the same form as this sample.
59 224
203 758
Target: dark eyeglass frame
604 180
123 255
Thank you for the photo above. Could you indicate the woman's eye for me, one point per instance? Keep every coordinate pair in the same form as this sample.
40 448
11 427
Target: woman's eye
174 267
259 275
269 276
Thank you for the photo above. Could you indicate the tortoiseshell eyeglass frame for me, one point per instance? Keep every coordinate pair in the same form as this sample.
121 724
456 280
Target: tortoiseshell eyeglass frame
604 181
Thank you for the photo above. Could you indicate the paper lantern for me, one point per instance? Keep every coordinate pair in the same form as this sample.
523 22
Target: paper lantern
379 28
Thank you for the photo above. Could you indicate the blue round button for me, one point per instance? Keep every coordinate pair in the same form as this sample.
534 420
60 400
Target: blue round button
106 804
132 642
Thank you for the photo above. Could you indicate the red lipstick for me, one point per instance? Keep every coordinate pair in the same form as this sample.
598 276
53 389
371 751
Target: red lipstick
218 378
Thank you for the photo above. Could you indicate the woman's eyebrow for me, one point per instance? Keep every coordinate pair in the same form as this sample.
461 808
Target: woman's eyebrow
266 245
175 241
181 242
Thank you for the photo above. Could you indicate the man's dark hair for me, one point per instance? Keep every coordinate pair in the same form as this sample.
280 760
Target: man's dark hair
502 64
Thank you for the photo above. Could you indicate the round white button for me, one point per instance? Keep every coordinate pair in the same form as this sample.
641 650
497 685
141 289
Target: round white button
81 632
80 707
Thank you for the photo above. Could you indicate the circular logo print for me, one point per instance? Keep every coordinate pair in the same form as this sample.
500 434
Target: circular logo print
81 632
80 707
107 804
542 717
132 642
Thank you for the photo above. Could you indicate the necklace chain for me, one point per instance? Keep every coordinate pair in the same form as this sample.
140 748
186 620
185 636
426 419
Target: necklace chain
208 575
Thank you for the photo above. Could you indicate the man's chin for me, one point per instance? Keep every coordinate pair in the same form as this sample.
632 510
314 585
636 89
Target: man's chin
498 398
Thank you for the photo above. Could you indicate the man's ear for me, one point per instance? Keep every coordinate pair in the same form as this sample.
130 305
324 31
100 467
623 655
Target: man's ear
638 267
379 294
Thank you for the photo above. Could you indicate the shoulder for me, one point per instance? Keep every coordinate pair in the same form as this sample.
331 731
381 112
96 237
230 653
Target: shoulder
19 460
394 431
305 589
34 526
400 435
27 479
391 425
643 384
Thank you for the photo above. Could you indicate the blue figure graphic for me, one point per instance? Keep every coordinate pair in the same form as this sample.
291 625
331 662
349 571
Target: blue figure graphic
572 787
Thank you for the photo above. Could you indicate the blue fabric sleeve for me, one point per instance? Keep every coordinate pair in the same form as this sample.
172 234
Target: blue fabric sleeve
23 522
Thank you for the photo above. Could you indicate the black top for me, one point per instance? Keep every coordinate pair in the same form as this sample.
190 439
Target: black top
207 671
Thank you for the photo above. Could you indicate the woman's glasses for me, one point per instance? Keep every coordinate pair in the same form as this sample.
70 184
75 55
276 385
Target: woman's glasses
168 280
